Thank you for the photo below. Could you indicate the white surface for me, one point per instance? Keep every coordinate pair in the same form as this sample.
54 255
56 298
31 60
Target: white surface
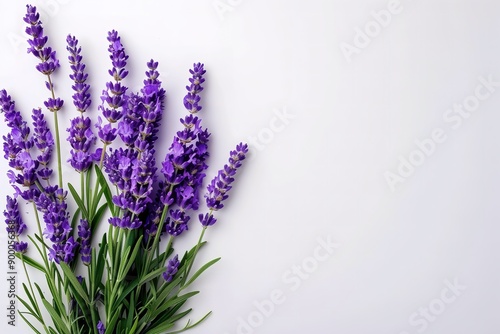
322 174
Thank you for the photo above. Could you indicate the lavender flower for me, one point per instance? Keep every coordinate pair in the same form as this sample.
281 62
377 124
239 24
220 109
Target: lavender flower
172 268
84 234
57 227
19 138
17 145
15 224
48 60
139 126
192 99
44 142
106 132
81 98
100 327
81 137
177 222
134 175
217 190
113 97
184 165
153 100
118 56
54 104
195 140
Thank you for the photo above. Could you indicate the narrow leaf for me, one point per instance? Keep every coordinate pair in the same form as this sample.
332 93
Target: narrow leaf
74 282
78 201
200 271
55 317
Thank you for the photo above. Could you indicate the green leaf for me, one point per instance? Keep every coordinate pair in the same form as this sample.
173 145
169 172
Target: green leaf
30 309
33 263
97 217
88 191
107 191
29 323
98 268
112 323
200 271
74 221
191 326
78 201
131 259
151 275
165 290
131 312
173 302
161 328
173 318
56 317
68 273
133 328
36 244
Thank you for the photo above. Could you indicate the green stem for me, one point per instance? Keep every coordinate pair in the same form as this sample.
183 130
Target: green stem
93 309
58 141
157 238
58 149
82 187
44 254
37 307
190 265
103 154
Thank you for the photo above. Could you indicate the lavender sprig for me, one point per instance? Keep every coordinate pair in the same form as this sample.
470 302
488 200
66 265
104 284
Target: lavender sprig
44 142
81 137
17 145
184 165
48 64
218 188
100 327
81 98
113 97
172 268
84 235
15 224
57 227
48 60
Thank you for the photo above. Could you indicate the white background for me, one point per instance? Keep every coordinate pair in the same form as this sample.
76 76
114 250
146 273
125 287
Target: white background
322 173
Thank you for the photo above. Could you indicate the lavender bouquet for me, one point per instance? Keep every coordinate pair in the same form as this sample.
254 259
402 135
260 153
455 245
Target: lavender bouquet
131 279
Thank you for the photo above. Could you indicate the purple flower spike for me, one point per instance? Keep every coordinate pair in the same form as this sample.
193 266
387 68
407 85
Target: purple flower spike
84 234
219 187
114 100
172 268
117 55
207 219
44 142
57 226
105 132
81 98
192 99
81 139
100 327
177 222
15 224
114 94
48 60
17 145
54 104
